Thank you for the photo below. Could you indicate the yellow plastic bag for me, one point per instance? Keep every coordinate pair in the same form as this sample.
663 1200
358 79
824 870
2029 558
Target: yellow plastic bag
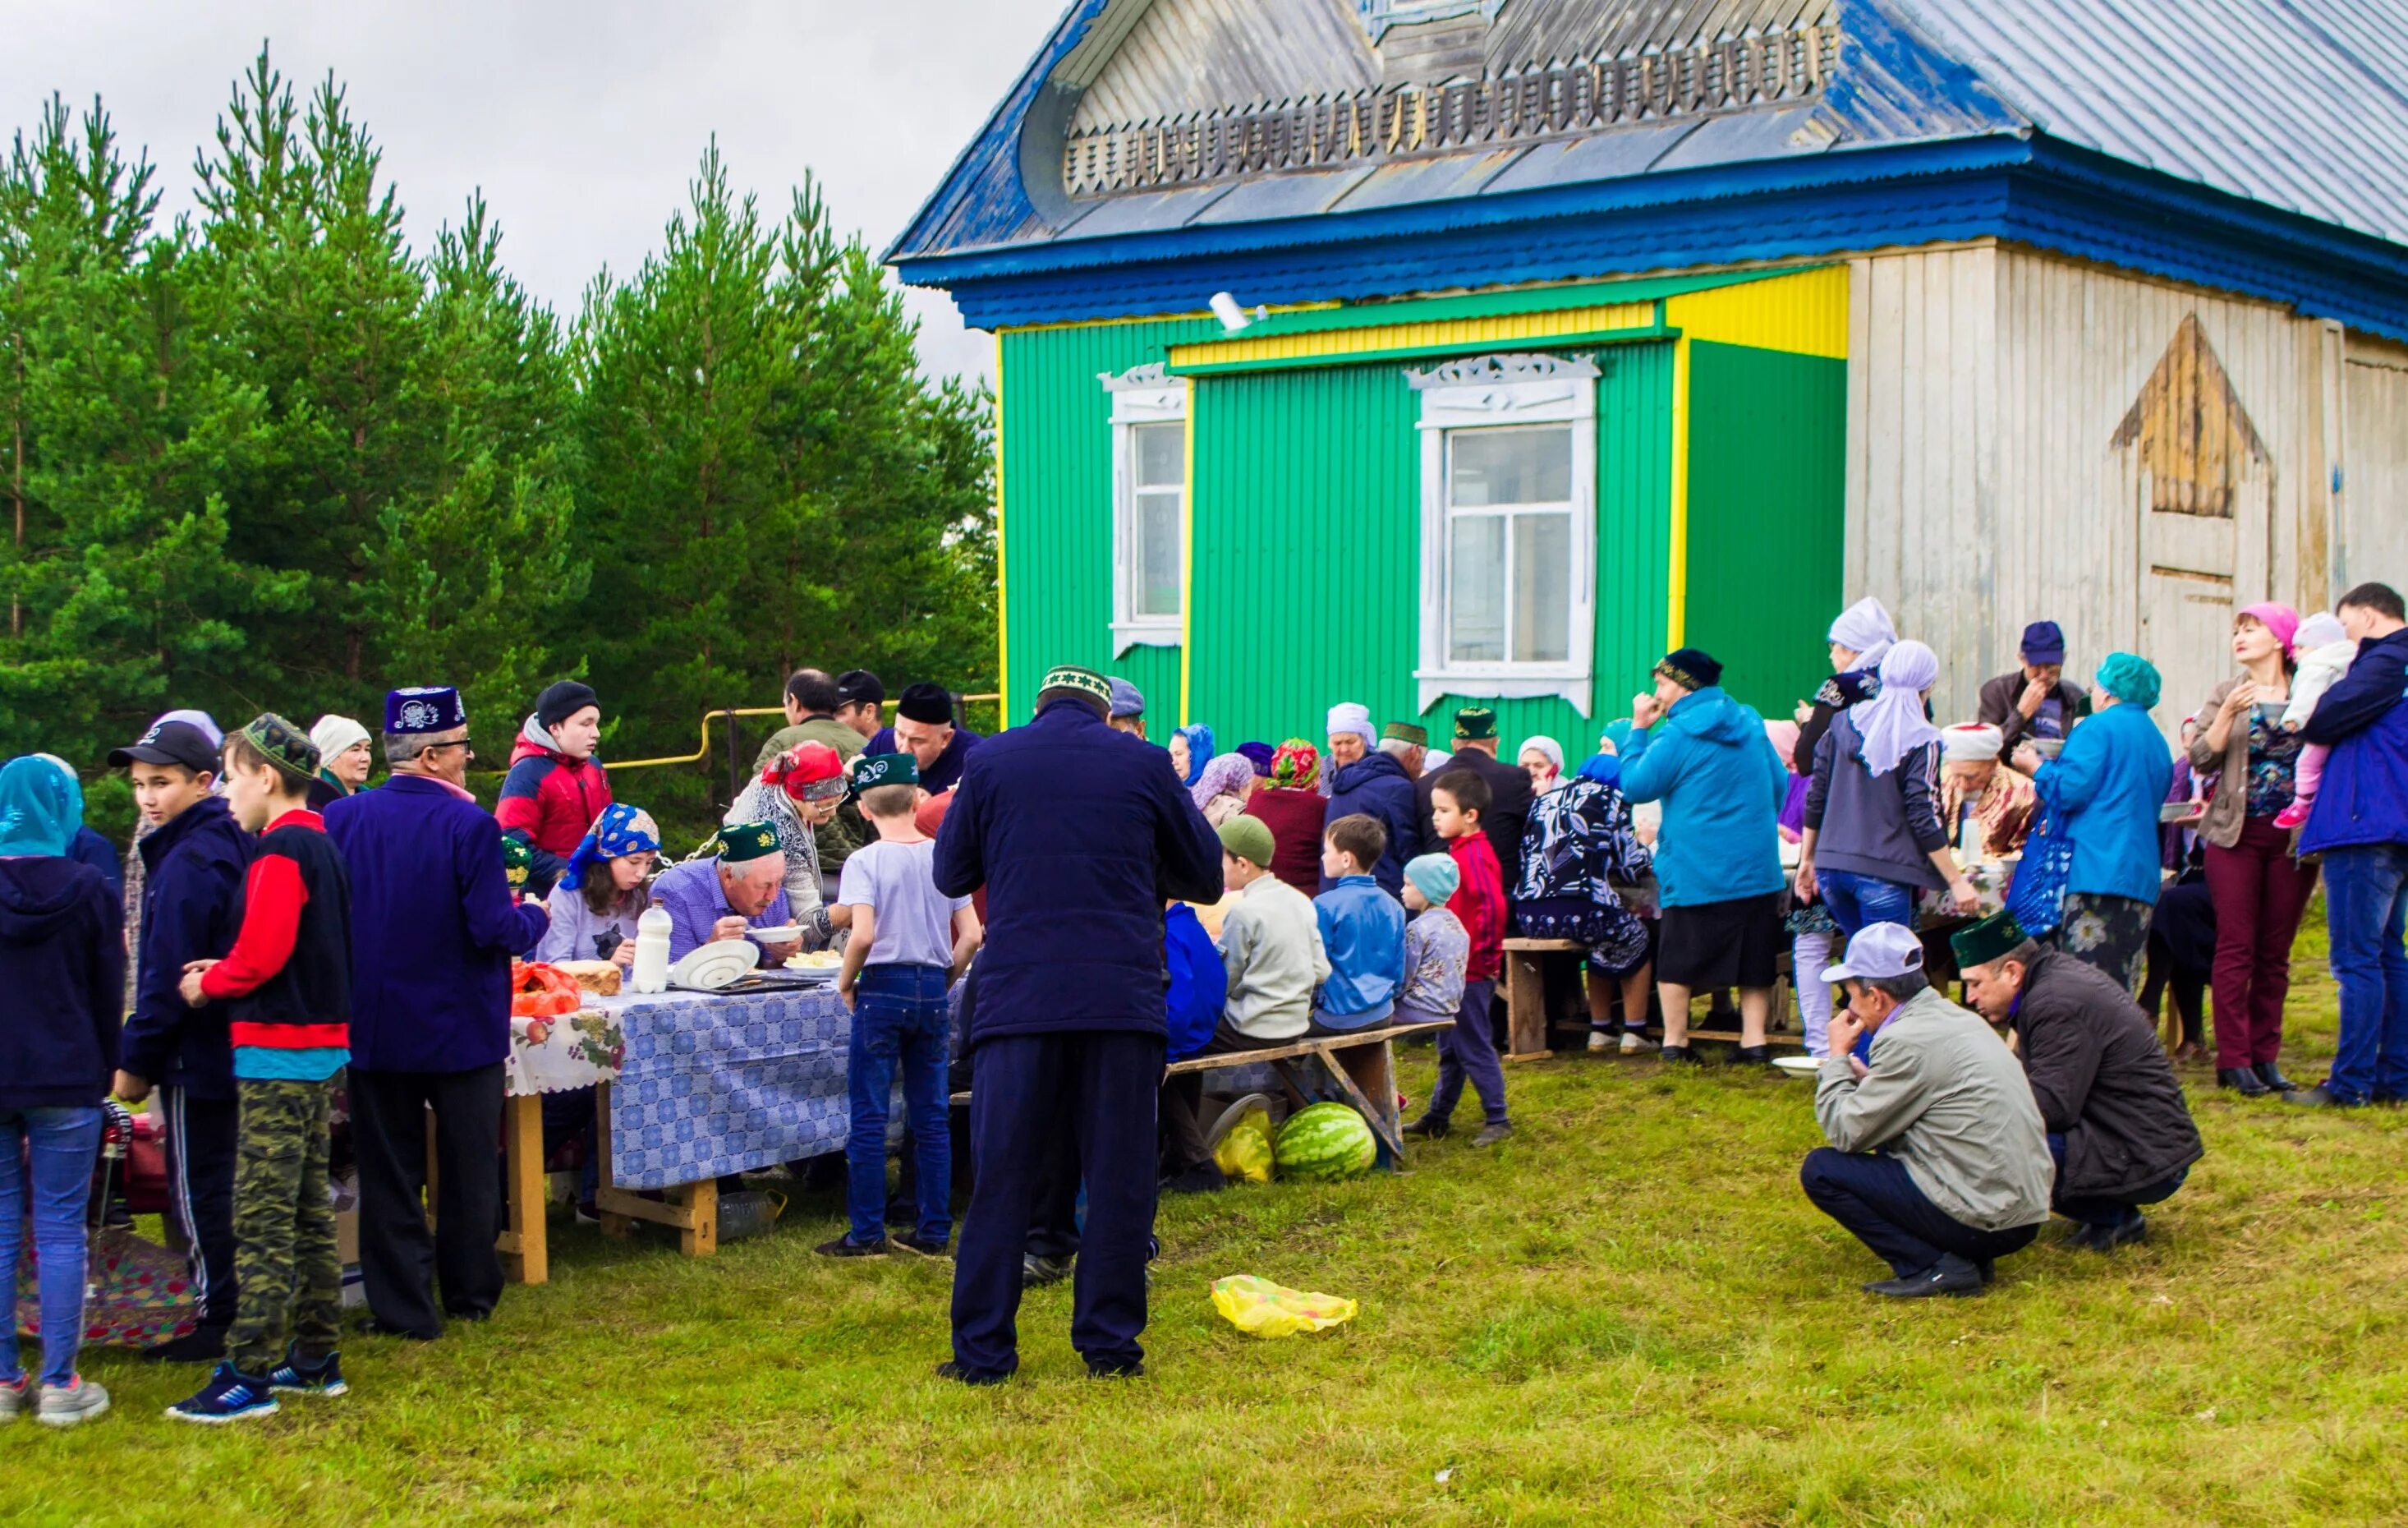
1245 1151
1265 1309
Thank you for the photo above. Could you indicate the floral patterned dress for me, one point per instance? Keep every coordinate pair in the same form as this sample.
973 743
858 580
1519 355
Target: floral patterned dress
1577 843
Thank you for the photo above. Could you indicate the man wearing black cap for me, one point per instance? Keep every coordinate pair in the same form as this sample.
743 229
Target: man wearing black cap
1508 789
1078 833
924 727
860 702
194 860
2034 701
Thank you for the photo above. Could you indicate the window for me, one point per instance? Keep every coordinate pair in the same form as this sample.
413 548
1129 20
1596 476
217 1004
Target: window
1509 528
1149 508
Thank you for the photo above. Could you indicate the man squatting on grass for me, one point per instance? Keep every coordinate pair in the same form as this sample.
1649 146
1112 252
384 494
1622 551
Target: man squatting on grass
1938 1161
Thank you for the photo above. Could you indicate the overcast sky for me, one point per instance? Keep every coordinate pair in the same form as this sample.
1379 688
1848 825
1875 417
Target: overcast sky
582 120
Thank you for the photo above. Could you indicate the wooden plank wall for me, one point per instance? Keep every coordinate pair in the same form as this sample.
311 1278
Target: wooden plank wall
2374 466
1985 383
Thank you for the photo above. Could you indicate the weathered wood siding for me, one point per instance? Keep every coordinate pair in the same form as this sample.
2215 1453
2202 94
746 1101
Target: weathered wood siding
2019 425
2374 466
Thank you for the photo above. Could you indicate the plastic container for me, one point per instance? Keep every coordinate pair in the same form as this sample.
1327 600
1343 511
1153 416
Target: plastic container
651 969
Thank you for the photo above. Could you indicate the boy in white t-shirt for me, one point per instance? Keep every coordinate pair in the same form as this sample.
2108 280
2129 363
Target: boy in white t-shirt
909 943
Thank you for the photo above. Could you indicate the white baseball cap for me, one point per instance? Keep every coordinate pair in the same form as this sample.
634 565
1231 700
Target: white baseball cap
1878 950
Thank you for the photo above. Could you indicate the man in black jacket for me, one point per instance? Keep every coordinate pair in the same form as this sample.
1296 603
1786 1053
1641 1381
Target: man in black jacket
1079 832
2118 1122
2034 701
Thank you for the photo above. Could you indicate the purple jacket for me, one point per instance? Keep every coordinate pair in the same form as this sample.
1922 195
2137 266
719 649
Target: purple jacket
433 928
691 895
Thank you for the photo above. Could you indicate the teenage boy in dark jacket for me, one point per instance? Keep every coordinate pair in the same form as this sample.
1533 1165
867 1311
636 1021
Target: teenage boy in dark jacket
286 985
193 865
1078 833
2117 1123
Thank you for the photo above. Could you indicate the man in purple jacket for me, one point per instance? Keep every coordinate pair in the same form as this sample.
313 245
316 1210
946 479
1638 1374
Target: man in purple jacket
2360 826
1079 832
432 932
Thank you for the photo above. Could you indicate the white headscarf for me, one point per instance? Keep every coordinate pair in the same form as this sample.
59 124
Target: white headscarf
1971 742
1864 628
1892 723
1351 716
1549 746
333 734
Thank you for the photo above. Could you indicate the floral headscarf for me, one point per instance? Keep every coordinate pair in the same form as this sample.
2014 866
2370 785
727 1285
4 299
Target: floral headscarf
620 832
1224 775
1296 765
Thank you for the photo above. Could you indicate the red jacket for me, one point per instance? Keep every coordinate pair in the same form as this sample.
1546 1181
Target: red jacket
1480 903
550 800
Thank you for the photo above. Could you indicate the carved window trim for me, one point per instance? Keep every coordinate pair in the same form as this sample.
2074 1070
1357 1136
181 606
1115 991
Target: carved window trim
1142 395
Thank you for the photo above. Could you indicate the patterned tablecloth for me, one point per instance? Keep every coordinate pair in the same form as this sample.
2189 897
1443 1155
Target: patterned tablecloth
712 1085
559 1055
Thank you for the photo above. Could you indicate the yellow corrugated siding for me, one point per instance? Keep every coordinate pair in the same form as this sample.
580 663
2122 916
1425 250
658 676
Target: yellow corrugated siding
1504 330
1806 315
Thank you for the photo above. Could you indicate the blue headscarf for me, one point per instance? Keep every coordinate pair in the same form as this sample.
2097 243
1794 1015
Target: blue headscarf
1619 731
1199 750
620 832
1605 769
2129 678
41 807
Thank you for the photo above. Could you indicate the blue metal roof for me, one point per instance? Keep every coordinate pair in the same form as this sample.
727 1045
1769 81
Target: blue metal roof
2094 120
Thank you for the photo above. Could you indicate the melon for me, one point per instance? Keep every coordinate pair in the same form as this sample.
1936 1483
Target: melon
1325 1141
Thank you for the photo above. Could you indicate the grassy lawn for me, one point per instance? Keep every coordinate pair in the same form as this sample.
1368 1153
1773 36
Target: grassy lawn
1626 1314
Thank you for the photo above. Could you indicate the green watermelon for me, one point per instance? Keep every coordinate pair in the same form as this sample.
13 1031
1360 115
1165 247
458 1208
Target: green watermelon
1325 1141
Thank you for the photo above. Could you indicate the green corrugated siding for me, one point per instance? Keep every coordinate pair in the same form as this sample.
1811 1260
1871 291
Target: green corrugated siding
1767 510
1308 514
1057 504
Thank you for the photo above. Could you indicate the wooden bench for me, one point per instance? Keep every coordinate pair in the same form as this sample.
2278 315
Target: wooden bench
1360 1069
1526 1001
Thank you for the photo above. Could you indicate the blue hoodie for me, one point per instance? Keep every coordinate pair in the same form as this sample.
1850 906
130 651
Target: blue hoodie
63 965
1722 785
1200 983
1377 786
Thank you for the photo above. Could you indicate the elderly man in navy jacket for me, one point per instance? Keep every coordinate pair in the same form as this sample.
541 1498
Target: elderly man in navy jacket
1078 833
432 932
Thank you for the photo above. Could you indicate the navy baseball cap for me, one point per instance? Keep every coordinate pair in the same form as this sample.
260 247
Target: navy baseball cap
169 742
2043 643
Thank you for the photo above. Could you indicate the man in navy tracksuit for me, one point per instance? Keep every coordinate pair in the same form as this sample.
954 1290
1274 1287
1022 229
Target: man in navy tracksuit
193 866
1078 832
433 930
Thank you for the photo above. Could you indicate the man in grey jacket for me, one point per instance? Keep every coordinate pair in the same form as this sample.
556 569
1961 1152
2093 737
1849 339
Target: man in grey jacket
1938 1161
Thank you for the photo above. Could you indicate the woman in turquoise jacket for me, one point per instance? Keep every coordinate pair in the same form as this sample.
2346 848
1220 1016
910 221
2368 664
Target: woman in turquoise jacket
2102 795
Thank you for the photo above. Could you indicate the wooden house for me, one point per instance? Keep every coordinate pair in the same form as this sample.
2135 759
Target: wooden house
1559 333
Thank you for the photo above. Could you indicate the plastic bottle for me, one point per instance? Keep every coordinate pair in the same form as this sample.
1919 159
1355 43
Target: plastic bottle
652 972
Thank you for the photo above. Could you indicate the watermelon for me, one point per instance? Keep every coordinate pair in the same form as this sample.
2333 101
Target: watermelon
1325 1141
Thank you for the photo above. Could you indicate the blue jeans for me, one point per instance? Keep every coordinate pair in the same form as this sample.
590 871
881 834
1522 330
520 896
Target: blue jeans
1857 900
900 1022
2366 907
65 1142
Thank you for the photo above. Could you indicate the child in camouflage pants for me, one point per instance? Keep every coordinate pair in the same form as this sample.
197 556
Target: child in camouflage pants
287 982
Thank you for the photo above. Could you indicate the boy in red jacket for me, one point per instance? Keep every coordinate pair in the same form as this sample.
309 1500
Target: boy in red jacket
1458 799
287 985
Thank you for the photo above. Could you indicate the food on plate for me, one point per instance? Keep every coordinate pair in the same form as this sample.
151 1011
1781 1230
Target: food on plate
599 977
816 960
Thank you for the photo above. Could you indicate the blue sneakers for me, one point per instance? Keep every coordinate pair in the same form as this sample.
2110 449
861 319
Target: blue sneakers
230 1396
295 1377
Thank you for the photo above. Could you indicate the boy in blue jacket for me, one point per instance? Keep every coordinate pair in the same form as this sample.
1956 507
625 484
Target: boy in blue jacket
193 864
1362 929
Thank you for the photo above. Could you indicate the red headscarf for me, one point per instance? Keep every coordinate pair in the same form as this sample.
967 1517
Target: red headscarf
807 772
1296 765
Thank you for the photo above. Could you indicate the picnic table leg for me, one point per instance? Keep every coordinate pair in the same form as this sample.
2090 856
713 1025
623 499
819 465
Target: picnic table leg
613 1224
525 1248
1525 1007
1366 1076
699 1237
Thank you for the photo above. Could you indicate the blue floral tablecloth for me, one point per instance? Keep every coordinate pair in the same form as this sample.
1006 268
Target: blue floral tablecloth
712 1085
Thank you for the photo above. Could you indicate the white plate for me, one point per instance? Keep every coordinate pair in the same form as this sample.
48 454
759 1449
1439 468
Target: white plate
812 974
784 934
707 968
1798 1066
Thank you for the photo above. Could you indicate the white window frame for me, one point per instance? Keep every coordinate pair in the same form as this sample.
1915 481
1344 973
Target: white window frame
1488 392
1144 395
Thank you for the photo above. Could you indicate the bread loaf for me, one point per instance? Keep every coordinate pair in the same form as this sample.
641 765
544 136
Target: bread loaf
599 977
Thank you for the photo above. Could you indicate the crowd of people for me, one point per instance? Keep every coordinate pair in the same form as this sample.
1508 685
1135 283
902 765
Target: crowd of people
1055 912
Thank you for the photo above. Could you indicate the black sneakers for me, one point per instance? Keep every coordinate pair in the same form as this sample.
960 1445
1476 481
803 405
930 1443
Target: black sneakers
1951 1274
2244 1081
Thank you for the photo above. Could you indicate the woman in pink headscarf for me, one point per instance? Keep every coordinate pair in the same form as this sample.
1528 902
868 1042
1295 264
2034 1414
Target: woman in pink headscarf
2254 875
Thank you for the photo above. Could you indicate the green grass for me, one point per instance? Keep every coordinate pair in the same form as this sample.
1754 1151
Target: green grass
1628 1314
